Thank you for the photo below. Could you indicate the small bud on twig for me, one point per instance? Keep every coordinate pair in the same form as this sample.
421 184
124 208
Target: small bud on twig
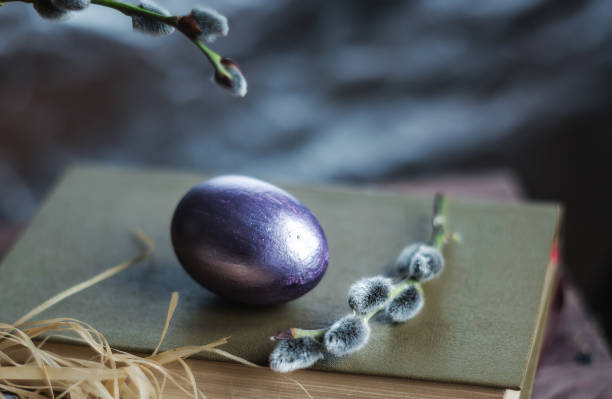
406 305
71 5
211 23
427 263
150 25
419 262
48 11
346 335
368 294
293 354
404 260
284 334
236 83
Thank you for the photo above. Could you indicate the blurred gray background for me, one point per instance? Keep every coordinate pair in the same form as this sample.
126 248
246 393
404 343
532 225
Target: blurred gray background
338 91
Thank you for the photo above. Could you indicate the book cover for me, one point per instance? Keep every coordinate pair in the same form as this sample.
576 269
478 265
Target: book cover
480 324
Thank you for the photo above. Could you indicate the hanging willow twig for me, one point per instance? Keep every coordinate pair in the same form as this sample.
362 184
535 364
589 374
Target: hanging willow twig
202 25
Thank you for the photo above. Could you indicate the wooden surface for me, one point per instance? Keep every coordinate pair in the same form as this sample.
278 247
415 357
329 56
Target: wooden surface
226 380
221 380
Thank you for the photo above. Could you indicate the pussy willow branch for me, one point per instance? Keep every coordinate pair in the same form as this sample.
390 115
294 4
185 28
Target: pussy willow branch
173 20
438 239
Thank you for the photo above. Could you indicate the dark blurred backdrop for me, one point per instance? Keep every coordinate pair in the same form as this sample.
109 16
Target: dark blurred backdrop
338 91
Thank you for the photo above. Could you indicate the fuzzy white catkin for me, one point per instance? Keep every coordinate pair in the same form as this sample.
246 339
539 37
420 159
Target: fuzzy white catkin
369 294
419 262
150 25
402 264
237 86
48 11
406 305
211 23
71 5
239 83
427 263
294 354
346 335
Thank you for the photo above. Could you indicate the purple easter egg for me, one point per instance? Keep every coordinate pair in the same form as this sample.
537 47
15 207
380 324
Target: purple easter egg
249 241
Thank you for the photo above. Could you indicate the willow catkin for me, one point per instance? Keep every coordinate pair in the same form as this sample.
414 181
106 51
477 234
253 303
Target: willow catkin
347 335
149 25
212 24
293 354
406 305
236 84
71 5
420 262
369 294
47 10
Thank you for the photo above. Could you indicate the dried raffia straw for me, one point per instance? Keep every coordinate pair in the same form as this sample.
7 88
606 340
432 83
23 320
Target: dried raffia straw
109 374
171 308
28 370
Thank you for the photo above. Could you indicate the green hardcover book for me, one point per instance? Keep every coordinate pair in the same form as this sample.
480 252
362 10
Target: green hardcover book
481 324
